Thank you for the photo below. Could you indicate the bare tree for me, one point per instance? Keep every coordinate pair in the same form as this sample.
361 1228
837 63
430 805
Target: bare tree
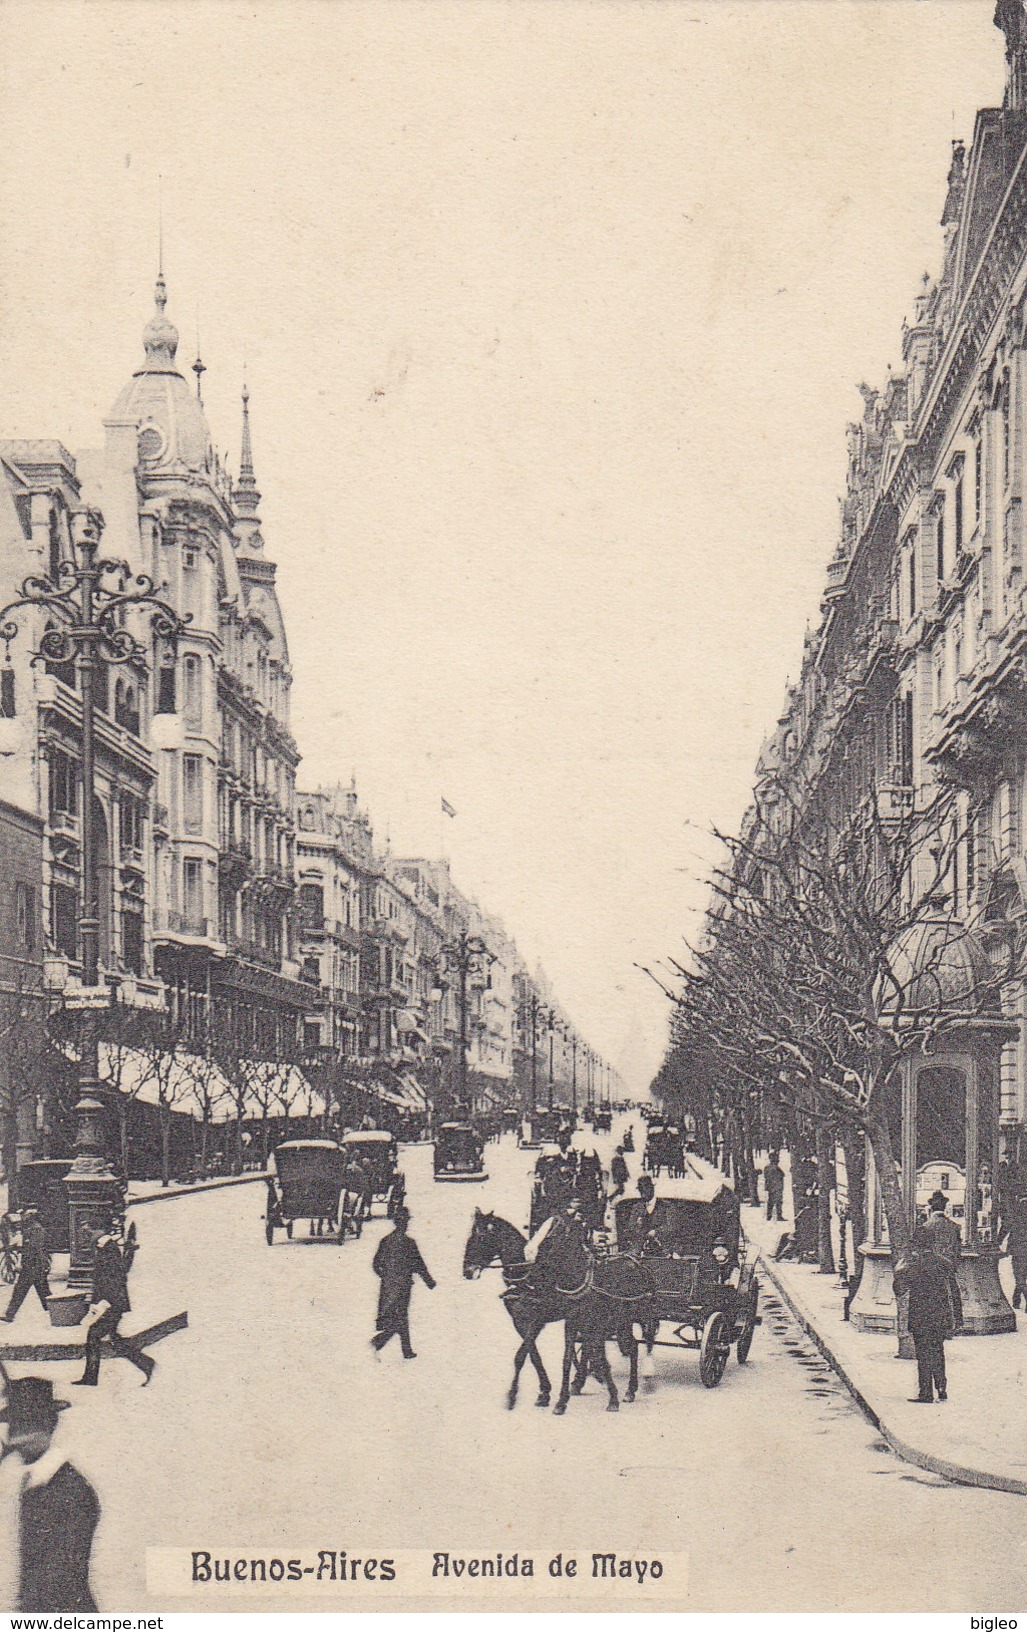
799 994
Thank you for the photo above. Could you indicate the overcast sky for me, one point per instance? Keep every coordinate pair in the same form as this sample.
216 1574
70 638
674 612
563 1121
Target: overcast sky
553 315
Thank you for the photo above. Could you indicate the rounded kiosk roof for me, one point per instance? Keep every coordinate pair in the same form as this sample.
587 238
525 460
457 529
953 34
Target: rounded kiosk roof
938 966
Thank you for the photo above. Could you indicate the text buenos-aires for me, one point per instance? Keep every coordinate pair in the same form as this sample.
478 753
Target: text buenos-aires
330 1566
605 1566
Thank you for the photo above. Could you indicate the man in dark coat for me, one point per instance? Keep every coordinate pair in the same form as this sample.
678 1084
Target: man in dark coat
33 1270
930 1282
58 1509
396 1262
774 1179
109 1304
940 1234
1016 1245
618 1174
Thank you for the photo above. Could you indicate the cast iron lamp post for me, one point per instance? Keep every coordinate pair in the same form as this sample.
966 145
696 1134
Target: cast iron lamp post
87 602
467 955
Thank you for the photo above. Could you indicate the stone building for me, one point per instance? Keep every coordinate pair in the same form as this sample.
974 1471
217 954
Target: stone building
334 856
917 670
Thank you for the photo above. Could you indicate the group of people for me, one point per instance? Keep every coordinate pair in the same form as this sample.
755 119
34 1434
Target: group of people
566 1174
57 1508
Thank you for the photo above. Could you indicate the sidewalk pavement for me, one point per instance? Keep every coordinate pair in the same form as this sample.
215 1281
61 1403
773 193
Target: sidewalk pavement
144 1190
976 1436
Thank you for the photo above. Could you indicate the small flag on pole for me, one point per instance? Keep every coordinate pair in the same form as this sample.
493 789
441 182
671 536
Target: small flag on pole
447 809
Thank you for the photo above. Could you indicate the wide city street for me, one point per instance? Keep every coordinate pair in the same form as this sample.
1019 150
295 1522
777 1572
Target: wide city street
270 1425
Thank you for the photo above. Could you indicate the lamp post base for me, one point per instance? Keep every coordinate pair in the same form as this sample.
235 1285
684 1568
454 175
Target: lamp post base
94 1198
986 1311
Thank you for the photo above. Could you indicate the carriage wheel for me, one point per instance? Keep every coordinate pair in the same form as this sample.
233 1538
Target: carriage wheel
8 1265
714 1351
745 1337
269 1232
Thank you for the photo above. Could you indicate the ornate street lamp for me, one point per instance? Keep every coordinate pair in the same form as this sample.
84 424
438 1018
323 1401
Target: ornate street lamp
467 955
87 602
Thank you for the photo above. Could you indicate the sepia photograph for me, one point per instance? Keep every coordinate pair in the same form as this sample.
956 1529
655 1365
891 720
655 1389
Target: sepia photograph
513 807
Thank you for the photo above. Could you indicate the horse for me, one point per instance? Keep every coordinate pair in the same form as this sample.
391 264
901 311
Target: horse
493 1240
595 1301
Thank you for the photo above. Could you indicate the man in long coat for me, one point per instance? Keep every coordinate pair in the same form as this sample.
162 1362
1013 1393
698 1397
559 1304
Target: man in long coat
1016 1245
58 1508
33 1269
396 1262
931 1284
109 1304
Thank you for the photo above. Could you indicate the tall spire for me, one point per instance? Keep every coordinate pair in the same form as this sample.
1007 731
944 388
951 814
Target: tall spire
247 496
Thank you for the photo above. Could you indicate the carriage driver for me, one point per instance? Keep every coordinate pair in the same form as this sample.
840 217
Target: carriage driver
641 1235
559 1233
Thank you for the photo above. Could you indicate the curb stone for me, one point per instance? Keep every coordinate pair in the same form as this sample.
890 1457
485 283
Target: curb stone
956 1471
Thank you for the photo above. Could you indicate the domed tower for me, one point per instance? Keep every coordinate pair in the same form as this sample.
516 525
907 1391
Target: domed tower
173 435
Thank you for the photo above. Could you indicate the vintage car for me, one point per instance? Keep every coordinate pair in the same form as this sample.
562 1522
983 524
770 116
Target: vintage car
701 1266
459 1153
378 1149
308 1182
602 1120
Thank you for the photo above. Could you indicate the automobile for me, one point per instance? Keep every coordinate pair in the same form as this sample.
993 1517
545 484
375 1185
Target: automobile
602 1121
706 1293
308 1183
459 1153
378 1148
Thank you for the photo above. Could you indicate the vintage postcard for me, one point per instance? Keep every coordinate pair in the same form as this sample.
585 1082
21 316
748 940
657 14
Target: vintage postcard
513 806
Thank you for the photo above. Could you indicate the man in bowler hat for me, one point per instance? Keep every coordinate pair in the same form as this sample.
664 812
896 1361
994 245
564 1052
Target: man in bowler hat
58 1508
396 1262
110 1302
33 1269
939 1233
930 1282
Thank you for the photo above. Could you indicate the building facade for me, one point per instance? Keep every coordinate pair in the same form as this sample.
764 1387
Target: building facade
917 673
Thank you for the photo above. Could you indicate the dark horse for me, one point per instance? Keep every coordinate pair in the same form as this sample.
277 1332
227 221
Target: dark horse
596 1300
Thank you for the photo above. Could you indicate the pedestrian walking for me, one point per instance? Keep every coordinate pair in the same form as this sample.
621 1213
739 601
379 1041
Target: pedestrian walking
58 1508
774 1179
110 1303
32 1272
1016 1245
396 1262
618 1174
930 1283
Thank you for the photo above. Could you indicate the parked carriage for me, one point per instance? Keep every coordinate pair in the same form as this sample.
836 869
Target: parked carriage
308 1183
705 1292
378 1149
40 1185
458 1153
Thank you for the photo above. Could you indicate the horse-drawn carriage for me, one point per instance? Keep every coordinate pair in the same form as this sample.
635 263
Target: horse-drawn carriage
39 1185
308 1183
375 1149
458 1153
701 1269
602 1120
664 1148
552 1187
